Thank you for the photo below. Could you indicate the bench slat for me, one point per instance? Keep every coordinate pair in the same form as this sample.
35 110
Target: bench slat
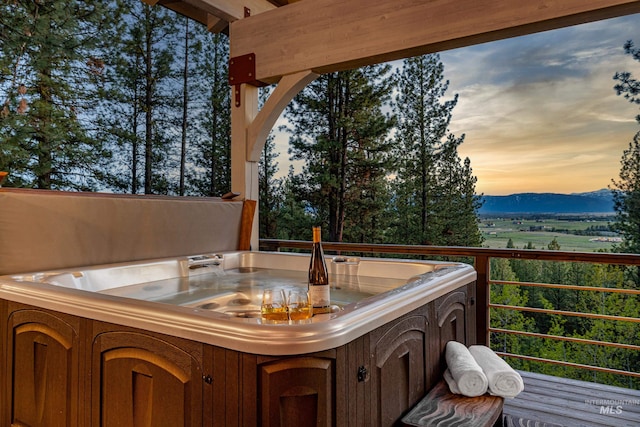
441 408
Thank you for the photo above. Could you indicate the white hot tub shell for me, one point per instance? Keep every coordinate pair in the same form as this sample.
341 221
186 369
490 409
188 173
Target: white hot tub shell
214 298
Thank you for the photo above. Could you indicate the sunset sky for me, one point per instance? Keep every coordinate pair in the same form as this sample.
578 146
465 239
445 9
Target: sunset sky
539 112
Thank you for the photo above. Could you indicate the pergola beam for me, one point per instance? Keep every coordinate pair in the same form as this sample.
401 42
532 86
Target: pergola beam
215 14
332 35
231 11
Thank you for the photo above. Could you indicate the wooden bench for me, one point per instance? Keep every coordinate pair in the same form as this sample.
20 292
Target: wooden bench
441 408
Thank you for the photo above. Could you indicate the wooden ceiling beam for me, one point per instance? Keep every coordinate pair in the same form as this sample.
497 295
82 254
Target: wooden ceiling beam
332 35
185 9
231 10
215 14
215 24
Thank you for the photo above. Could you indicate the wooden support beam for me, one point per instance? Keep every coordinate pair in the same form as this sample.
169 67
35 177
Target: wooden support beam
184 9
332 35
244 173
215 14
246 225
259 129
483 299
231 10
215 24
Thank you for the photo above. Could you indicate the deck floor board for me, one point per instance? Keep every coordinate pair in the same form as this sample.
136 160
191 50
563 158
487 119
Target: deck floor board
549 401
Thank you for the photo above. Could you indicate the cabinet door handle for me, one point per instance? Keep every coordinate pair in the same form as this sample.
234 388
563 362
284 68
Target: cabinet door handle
362 374
207 379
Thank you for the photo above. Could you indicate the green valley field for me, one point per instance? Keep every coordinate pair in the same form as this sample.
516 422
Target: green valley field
586 234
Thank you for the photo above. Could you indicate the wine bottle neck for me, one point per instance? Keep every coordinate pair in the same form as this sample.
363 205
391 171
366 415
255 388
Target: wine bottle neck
316 234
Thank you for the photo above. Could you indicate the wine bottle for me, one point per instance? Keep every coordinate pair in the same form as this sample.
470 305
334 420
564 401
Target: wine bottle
318 277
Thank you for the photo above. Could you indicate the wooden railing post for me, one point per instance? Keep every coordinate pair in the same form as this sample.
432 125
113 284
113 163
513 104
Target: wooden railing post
482 299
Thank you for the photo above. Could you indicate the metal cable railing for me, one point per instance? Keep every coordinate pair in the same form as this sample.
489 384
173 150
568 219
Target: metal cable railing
565 314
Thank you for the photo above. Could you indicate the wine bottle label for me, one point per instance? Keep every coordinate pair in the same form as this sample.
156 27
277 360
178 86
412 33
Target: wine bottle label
319 295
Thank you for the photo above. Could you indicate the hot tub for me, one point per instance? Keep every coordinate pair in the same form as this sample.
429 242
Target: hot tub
215 298
144 335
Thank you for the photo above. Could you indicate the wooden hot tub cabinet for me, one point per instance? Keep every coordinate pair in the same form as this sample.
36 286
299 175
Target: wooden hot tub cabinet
64 370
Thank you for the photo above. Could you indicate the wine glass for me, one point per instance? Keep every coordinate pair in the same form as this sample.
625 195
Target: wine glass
299 305
274 305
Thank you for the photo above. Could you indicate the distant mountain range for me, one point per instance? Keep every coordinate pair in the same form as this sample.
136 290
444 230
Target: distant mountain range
594 202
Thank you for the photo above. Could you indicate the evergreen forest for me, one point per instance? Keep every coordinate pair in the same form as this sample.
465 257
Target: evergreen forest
123 97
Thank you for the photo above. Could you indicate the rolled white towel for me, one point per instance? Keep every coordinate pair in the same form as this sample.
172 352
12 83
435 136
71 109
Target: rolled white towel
465 373
451 382
503 380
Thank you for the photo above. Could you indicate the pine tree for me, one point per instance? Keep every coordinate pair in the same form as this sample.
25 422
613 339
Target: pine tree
50 67
626 190
554 245
294 220
340 131
139 101
120 109
184 122
269 186
434 190
458 203
210 151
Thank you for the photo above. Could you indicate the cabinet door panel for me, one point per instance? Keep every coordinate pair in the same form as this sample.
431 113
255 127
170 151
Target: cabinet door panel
451 319
399 360
140 380
450 324
43 369
297 392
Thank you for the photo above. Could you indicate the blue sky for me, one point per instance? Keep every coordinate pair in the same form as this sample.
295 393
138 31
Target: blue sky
539 112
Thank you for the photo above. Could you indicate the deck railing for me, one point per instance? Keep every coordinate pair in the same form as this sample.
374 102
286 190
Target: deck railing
481 259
